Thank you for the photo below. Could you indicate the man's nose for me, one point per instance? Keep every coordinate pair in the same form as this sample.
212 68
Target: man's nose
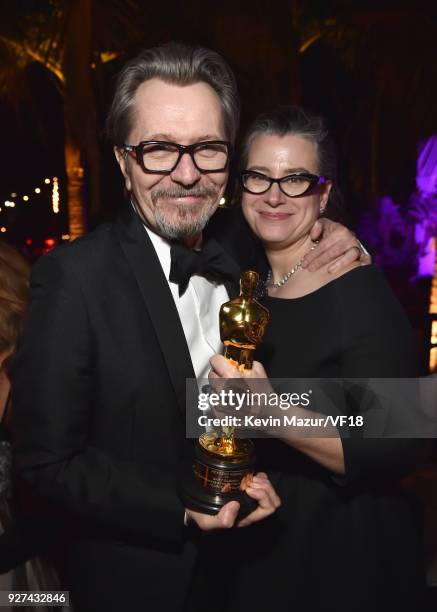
274 196
185 172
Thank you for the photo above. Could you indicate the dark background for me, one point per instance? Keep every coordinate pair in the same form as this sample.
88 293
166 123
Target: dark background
369 67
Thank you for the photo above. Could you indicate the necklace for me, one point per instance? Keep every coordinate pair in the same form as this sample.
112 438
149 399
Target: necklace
289 274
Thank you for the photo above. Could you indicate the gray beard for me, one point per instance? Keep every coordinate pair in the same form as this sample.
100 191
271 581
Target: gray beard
184 224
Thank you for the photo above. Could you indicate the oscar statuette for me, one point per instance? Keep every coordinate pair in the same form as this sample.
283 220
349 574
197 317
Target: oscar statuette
223 464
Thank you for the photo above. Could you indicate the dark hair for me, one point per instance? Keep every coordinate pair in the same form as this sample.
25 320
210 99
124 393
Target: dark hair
177 64
14 296
300 122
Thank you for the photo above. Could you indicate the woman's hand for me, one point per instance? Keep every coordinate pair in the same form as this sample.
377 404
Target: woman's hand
242 386
223 368
254 380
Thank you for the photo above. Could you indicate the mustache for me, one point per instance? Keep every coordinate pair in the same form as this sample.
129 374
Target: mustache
198 191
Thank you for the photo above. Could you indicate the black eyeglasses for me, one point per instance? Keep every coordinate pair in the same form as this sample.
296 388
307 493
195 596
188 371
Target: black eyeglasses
292 185
160 157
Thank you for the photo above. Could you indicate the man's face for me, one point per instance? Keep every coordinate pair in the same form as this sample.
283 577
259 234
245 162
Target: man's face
179 204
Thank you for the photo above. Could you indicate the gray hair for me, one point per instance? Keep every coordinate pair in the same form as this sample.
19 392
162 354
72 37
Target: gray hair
295 120
177 64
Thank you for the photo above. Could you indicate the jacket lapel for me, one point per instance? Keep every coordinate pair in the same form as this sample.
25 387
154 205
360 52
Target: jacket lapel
231 231
232 288
158 300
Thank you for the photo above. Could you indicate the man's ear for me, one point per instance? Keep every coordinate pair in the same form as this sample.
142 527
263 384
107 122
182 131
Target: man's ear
122 159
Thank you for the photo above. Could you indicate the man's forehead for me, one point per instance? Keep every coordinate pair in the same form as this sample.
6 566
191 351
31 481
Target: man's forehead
164 111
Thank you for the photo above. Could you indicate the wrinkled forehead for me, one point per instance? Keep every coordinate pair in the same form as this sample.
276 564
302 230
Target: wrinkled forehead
183 114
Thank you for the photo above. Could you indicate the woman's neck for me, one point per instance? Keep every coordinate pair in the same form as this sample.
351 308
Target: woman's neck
283 259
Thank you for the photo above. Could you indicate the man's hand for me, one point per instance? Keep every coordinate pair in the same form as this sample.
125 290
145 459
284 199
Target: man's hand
268 500
225 519
338 246
260 489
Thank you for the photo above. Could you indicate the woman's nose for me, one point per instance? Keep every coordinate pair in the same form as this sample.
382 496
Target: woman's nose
274 196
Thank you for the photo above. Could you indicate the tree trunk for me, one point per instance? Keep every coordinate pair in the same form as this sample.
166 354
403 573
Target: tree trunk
75 187
81 149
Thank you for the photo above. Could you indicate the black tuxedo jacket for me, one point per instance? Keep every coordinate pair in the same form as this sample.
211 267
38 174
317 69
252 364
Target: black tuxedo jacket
99 414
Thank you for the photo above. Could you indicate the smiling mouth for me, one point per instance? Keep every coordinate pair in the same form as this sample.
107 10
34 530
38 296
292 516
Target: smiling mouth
188 199
270 216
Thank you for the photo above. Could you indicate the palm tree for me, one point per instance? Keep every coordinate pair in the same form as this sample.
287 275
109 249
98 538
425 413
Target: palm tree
71 39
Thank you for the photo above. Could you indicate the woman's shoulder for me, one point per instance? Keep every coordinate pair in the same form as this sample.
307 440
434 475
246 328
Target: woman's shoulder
355 280
358 276
364 285
365 297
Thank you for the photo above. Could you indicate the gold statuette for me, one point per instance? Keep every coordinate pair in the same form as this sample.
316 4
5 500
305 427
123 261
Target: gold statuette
223 465
242 323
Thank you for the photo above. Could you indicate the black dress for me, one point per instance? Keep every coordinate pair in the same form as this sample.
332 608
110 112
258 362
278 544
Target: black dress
335 543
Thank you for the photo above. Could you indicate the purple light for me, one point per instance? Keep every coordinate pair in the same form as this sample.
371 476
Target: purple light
405 236
426 205
426 175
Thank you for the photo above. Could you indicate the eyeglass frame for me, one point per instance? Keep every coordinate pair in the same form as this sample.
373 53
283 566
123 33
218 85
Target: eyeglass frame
136 151
313 178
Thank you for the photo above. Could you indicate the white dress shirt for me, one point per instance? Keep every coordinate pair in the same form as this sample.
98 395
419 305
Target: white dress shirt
198 310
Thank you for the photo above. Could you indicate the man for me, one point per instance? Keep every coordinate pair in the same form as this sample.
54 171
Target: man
116 328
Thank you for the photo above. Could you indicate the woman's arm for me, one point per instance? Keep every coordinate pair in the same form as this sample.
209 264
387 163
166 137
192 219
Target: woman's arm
326 450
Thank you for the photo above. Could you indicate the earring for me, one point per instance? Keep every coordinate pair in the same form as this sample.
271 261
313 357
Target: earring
322 210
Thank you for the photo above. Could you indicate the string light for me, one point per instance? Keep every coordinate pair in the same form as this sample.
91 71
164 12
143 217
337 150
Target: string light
433 351
433 312
65 236
3 229
26 198
37 190
55 195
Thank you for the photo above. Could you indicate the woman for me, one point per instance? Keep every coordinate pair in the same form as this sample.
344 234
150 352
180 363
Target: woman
345 535
18 539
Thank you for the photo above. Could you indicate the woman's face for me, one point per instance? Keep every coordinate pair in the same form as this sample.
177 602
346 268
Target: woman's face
277 219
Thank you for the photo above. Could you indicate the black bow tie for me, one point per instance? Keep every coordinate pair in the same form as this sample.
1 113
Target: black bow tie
211 262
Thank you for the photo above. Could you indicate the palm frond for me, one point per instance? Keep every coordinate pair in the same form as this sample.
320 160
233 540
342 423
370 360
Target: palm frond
13 78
